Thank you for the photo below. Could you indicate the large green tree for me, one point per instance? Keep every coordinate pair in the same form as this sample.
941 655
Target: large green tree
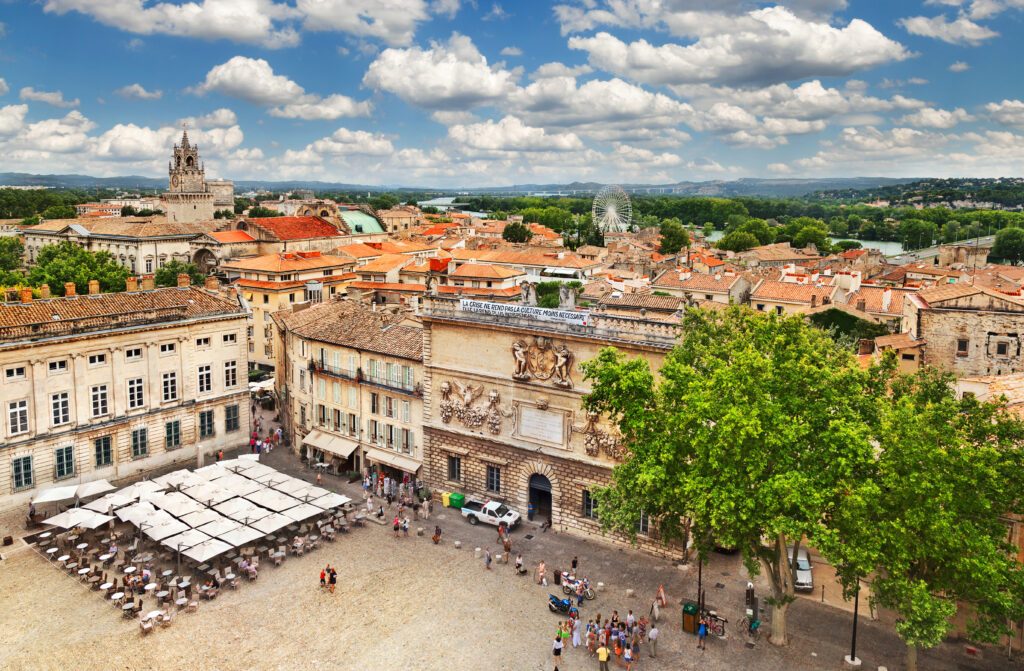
754 430
674 236
917 233
11 251
167 276
1009 244
67 262
59 212
517 232
737 241
928 527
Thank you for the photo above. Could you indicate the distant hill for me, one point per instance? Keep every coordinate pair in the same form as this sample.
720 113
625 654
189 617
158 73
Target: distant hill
779 188
956 192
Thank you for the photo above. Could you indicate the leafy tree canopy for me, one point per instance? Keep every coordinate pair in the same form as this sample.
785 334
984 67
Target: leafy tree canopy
260 211
517 232
738 241
59 212
11 251
1009 244
167 276
67 262
673 236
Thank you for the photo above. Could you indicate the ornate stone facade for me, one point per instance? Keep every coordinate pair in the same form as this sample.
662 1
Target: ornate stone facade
188 197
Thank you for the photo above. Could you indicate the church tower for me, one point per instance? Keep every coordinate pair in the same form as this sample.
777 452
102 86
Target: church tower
189 198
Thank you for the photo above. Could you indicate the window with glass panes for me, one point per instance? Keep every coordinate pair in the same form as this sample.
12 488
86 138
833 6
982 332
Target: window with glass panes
21 471
104 452
589 505
60 409
136 395
643 525
206 423
99 400
205 379
170 386
172 434
140 443
17 417
493 479
64 462
231 418
454 467
230 373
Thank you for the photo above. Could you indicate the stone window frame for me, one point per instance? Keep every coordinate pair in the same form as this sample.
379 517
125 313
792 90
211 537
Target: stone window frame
454 460
965 350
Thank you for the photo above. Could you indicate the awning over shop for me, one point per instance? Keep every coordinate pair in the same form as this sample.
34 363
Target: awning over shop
331 444
402 463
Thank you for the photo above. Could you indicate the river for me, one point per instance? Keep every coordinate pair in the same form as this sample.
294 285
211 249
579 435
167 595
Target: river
888 248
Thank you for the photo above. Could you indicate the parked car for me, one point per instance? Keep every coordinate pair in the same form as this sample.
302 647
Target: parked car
804 577
492 512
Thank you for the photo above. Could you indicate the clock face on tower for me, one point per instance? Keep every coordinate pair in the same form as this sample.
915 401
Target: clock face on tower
174 180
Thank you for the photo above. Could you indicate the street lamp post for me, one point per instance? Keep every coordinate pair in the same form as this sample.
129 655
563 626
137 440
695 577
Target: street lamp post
851 660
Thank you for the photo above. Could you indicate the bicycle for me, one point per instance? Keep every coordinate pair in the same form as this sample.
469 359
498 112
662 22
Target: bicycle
752 627
716 623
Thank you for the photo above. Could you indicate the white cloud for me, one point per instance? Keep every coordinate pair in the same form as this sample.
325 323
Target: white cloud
511 51
219 118
342 143
139 92
55 98
556 69
452 75
1007 112
959 31
770 45
12 119
743 138
254 80
392 21
629 154
452 117
447 8
3 87
262 22
780 168
67 134
511 134
930 117
959 66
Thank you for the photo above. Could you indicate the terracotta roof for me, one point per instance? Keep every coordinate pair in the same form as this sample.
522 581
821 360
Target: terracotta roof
389 286
417 268
874 299
359 251
672 279
789 292
485 271
852 254
226 237
897 341
296 228
524 258
286 262
944 292
507 292
596 289
293 284
934 271
385 263
59 316
351 324
779 251
644 301
399 246
147 227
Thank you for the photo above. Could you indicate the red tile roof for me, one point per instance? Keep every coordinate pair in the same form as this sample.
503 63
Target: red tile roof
389 286
225 237
296 228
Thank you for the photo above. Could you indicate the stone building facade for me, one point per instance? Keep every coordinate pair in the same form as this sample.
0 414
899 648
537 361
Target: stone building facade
969 330
114 385
502 409
189 198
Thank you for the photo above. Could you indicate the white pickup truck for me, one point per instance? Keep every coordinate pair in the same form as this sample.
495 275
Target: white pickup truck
492 512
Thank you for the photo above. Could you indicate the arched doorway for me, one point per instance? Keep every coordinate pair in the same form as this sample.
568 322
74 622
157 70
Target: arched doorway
540 496
205 261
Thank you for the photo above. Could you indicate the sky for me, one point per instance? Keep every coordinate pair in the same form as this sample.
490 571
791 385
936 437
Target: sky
449 93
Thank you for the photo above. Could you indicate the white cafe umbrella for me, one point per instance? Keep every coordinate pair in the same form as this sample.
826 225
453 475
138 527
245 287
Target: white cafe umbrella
168 528
249 457
178 504
238 485
54 494
78 517
257 471
142 488
135 513
271 523
87 489
211 472
201 517
236 507
302 512
236 465
272 500
218 527
179 478
241 535
185 539
207 550
208 493
105 503
291 485
330 500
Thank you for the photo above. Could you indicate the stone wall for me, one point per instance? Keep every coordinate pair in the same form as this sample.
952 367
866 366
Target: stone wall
983 331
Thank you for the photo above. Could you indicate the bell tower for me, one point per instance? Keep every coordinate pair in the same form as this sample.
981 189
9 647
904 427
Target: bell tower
187 174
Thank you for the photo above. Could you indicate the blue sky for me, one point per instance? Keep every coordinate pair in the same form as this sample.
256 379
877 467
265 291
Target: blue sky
462 93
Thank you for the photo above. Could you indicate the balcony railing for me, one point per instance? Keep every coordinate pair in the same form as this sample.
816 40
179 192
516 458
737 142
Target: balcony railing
357 375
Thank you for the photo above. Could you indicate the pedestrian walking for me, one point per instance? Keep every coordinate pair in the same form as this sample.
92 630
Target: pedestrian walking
630 619
575 633
652 638
332 579
323 577
541 574
556 649
397 524
319 479
487 558
591 637
575 564
702 633
405 527
602 657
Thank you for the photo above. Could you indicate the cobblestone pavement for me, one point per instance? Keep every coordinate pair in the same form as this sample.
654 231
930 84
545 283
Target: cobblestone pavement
408 604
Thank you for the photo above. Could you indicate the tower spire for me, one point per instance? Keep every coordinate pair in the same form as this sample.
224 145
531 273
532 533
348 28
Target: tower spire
184 135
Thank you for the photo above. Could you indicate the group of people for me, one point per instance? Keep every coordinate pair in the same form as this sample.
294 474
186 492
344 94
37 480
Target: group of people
259 445
328 578
616 638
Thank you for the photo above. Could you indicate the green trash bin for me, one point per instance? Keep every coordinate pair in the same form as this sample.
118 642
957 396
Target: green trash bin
690 618
457 500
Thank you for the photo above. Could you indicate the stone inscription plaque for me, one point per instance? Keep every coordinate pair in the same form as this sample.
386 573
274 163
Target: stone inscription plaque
542 425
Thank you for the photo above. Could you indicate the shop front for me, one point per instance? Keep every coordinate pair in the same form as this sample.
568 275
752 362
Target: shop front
339 453
398 467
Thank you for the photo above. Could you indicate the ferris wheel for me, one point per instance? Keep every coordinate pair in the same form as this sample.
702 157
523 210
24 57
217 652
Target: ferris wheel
611 209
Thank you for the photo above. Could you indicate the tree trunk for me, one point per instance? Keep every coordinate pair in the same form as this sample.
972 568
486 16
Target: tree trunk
911 657
778 636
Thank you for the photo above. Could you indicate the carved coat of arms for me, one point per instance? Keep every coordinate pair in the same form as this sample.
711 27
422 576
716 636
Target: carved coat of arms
542 361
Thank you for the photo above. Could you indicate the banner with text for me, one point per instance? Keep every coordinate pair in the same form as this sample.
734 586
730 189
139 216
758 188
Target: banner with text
517 310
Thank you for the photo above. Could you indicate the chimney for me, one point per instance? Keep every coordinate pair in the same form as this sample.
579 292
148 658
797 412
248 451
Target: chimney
26 295
211 283
69 289
94 287
148 283
862 304
814 300
44 291
886 299
184 280
131 283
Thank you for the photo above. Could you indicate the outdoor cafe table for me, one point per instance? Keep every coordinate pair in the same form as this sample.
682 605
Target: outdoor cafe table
72 566
105 586
152 615
150 587
81 546
182 602
105 557
117 596
52 551
72 538
167 573
63 557
129 569
46 534
230 576
127 607
83 571
184 584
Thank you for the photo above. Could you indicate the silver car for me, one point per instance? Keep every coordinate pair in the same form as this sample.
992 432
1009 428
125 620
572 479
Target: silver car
804 578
